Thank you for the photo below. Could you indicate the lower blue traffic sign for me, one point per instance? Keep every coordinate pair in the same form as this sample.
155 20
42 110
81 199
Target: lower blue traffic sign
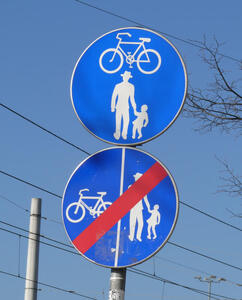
119 207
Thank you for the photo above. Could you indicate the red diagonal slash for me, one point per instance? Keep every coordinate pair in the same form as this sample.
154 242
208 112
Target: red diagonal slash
120 207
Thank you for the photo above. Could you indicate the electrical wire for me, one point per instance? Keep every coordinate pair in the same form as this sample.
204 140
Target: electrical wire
31 184
148 27
48 285
42 128
152 276
193 269
40 235
134 270
137 271
204 255
58 196
27 210
210 216
181 265
15 204
66 245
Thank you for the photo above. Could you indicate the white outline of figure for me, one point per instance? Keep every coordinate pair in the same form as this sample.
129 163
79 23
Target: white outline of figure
123 91
153 220
136 216
141 121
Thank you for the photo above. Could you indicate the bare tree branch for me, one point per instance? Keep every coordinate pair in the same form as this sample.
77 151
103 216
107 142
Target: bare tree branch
220 104
234 214
232 182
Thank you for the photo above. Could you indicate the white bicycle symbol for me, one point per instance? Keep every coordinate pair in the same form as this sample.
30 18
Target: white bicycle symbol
143 59
75 211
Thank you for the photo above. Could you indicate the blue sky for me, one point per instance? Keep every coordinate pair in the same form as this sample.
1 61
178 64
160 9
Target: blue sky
40 44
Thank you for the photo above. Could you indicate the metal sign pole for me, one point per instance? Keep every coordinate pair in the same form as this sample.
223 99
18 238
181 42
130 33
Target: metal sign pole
117 284
31 284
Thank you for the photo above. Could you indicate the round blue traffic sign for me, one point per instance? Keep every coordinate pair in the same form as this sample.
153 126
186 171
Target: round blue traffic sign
119 207
128 86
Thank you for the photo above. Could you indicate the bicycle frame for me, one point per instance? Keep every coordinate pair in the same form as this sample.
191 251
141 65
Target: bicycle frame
89 208
141 44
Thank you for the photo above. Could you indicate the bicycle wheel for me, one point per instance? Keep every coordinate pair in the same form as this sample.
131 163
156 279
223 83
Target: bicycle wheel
148 61
102 207
112 59
72 216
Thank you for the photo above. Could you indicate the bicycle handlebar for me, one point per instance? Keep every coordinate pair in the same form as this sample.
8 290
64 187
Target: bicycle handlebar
123 33
80 192
100 193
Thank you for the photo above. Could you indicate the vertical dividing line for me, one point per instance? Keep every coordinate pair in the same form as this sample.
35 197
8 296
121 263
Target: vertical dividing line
120 193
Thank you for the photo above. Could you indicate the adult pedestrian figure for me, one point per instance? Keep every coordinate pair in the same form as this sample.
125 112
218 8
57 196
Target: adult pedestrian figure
136 215
123 92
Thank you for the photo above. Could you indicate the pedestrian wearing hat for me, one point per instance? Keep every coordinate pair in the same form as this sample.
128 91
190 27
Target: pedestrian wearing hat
136 216
123 93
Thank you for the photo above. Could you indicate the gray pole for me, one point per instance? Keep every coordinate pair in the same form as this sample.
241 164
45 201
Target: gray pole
33 251
209 289
117 284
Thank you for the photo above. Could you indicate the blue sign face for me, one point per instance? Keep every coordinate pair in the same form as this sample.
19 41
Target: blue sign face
119 207
128 86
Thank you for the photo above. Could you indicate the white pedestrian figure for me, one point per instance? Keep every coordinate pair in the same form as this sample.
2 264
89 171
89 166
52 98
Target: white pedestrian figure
153 220
136 216
141 121
123 92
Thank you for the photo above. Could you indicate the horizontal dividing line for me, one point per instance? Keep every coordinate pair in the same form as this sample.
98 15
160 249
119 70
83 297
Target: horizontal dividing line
64 244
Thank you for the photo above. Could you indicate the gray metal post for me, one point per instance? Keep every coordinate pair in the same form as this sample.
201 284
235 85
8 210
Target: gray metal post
117 284
209 289
33 251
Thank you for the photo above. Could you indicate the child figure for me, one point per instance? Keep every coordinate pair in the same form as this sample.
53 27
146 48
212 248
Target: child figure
141 121
153 220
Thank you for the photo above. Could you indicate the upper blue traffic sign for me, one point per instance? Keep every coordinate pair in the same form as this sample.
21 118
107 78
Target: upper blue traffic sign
129 86
119 207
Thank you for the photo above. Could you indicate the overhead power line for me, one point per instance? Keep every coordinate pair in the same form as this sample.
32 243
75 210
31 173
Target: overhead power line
137 271
58 196
210 216
64 244
27 210
42 128
31 184
153 276
148 27
181 265
15 204
67 245
48 285
204 255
